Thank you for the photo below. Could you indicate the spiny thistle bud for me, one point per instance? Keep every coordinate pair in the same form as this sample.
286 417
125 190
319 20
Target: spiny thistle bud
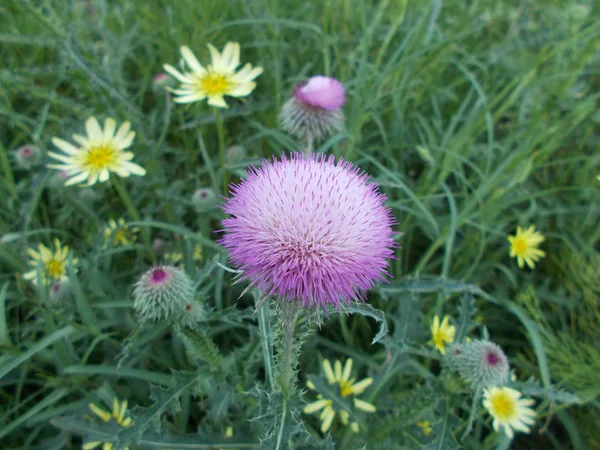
191 314
58 179
481 363
314 111
58 292
235 154
204 198
28 156
162 292
161 82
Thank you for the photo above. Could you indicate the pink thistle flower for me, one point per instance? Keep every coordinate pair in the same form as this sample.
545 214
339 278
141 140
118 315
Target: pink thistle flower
306 229
321 92
314 111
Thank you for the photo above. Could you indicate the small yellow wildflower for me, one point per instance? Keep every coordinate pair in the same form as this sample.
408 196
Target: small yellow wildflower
216 80
524 246
119 233
442 334
98 154
177 257
118 414
508 410
348 386
425 426
54 265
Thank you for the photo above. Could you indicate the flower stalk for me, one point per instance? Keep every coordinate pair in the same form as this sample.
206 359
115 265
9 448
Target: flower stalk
222 152
288 357
133 211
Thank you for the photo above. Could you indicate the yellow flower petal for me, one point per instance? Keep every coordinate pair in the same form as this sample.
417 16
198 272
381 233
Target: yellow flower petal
101 413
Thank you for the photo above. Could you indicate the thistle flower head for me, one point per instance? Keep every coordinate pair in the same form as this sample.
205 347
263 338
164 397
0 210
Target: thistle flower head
480 362
162 292
307 229
315 109
322 93
28 156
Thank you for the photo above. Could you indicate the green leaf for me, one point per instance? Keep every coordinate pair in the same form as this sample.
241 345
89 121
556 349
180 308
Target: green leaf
143 418
44 343
124 372
367 310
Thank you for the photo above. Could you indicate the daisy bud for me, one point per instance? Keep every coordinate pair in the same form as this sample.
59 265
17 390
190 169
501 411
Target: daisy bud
314 111
161 82
162 292
235 154
204 198
481 363
28 156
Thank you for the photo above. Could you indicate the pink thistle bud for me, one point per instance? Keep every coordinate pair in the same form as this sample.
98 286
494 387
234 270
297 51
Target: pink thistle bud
314 111
28 156
307 229
161 81
321 92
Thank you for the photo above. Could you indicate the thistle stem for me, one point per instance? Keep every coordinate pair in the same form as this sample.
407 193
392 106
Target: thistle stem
133 211
309 143
222 154
288 358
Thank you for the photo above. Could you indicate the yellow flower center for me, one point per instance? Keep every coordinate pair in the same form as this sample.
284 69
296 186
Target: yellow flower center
215 84
55 268
101 157
504 406
345 388
120 237
520 246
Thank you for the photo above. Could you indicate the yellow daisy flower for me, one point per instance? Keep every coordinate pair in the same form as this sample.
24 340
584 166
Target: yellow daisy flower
121 235
177 257
98 154
216 80
348 386
118 414
524 246
425 427
442 334
54 264
508 409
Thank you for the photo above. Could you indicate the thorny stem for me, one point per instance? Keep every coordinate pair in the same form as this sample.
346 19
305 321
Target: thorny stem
289 315
222 154
133 211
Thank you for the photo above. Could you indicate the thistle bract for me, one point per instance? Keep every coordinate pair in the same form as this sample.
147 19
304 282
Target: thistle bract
204 198
162 292
305 228
481 363
314 111
28 156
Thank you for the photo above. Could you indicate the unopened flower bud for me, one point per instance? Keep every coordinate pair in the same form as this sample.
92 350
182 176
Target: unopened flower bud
204 198
235 154
191 314
162 293
58 292
314 112
480 363
28 156
161 82
58 179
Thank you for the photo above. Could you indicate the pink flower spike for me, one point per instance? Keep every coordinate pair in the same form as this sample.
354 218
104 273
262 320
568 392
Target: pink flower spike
305 228
322 92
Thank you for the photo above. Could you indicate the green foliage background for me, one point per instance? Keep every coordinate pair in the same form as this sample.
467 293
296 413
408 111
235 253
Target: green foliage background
473 116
